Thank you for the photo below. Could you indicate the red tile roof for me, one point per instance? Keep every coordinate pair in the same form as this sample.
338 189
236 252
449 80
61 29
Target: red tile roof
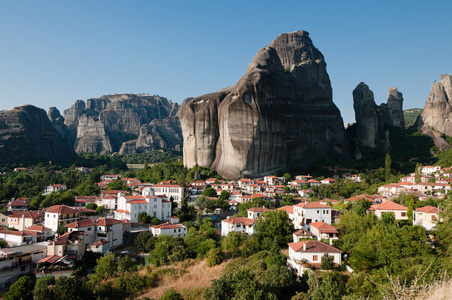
61 209
288 209
82 223
107 222
239 220
258 209
428 209
324 228
314 246
302 232
389 205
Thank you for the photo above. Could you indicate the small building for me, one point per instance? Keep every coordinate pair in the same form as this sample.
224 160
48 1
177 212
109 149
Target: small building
300 234
21 220
54 188
426 216
256 212
237 224
19 204
71 245
324 231
305 254
60 215
399 211
174 230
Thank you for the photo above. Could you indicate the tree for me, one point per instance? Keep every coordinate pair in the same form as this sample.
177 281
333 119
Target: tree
87 187
100 209
209 192
117 184
388 218
142 239
214 257
91 205
388 163
224 195
275 224
410 211
361 206
22 289
144 218
106 266
232 242
327 262
186 211
172 294
417 173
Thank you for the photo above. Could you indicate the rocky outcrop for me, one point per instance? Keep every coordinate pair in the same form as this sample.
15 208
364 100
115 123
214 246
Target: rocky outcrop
57 120
437 113
279 115
435 118
27 135
372 120
159 134
105 123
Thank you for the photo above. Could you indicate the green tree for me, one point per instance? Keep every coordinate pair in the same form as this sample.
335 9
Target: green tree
224 195
232 242
87 187
275 225
214 257
388 218
100 209
327 262
410 211
117 184
172 294
106 266
91 205
22 289
144 218
142 239
209 192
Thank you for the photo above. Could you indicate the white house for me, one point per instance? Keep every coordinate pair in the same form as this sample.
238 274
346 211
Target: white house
390 189
58 215
110 177
237 224
305 253
175 230
301 234
130 207
430 169
289 210
324 231
307 213
256 212
21 220
398 210
426 216
169 190
54 188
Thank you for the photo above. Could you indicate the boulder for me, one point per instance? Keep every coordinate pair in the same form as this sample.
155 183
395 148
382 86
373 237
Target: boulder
27 135
279 115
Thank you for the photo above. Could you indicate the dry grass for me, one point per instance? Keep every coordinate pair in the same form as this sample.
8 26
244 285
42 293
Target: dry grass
197 277
440 291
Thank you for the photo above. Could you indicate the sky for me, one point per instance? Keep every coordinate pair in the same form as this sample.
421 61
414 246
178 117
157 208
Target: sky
53 53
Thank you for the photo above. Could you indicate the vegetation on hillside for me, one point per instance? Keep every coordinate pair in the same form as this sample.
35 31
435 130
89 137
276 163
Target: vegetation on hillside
410 116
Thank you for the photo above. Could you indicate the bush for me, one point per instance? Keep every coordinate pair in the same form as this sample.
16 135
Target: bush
214 257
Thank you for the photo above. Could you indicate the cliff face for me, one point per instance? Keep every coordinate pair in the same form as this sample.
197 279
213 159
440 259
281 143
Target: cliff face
372 119
280 114
437 113
435 118
27 135
105 123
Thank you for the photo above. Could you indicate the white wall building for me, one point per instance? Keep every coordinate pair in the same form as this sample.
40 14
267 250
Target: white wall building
310 252
58 215
426 216
169 190
54 188
130 207
175 230
307 213
237 224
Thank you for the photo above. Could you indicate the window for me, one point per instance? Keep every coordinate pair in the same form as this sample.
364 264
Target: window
315 258
318 211
403 214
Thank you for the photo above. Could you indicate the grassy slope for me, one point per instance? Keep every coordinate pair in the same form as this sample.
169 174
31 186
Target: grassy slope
410 116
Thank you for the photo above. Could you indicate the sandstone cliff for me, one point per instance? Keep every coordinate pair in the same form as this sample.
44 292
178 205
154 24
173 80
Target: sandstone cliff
105 123
437 113
27 135
279 115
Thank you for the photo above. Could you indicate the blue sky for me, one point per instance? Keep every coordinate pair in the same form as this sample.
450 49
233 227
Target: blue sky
55 52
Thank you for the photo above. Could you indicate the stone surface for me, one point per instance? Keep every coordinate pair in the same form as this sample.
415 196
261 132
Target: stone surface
27 135
103 124
437 113
277 116
371 119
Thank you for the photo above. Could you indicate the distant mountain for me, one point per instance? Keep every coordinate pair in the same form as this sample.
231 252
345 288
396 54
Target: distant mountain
411 115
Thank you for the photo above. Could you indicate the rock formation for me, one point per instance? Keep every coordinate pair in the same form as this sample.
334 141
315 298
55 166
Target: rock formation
438 108
280 114
435 119
27 135
105 123
371 120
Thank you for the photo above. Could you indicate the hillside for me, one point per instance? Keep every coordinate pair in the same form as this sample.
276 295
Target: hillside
411 115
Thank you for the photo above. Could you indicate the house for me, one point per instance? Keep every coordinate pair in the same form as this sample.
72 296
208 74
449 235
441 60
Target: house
18 261
430 169
327 181
86 225
237 224
309 253
54 188
301 234
60 215
324 231
398 210
111 230
130 207
19 204
4 218
175 230
46 232
289 210
256 212
305 193
307 213
235 196
71 245
21 220
303 177
313 182
197 187
110 177
426 216
273 180
170 190
100 246
19 238
389 189
84 200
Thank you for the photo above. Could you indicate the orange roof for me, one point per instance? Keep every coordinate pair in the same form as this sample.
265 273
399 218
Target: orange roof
258 195
239 220
107 222
302 232
258 209
167 185
61 209
168 226
314 246
428 209
82 223
316 205
324 228
389 205
288 209
100 242
38 228
139 201
122 211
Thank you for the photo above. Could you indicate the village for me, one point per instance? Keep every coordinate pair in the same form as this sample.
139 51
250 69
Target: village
52 240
